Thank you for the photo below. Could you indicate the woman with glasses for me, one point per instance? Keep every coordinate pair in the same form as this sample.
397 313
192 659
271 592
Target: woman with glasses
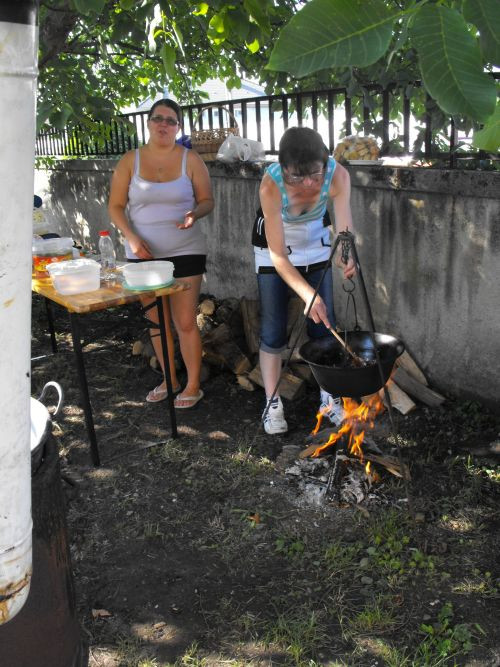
158 194
294 194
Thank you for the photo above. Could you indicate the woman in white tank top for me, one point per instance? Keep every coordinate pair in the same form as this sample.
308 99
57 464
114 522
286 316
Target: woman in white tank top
158 193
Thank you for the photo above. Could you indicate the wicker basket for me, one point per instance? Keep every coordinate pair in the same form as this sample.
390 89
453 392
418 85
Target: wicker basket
208 142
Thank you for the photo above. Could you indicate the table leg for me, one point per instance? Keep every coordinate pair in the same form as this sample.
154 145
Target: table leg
166 364
50 321
84 389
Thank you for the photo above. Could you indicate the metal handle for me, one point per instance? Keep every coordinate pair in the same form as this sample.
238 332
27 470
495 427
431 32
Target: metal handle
215 106
60 393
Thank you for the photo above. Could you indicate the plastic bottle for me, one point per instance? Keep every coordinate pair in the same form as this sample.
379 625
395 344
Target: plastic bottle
108 255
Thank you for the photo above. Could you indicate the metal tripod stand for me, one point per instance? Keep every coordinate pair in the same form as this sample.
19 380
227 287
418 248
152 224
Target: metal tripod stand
346 239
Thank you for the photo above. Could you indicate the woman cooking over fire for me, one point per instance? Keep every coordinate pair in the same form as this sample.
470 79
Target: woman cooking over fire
293 196
158 194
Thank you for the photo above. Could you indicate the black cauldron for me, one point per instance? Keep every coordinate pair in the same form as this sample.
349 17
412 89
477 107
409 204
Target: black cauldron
334 371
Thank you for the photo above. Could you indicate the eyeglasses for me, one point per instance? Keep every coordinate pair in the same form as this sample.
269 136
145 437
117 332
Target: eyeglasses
164 119
295 179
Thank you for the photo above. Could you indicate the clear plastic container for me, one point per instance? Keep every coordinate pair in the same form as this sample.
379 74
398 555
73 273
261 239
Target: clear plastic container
47 251
75 276
144 275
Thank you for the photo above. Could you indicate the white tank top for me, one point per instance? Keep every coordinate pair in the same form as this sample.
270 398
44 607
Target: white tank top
155 209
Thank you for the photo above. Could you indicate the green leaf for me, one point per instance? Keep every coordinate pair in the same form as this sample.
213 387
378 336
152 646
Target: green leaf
217 23
201 9
485 15
178 35
333 33
168 57
59 119
450 63
254 46
88 6
43 111
127 4
488 139
239 24
257 10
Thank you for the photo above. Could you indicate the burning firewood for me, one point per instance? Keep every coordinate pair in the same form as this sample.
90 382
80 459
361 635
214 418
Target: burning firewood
350 436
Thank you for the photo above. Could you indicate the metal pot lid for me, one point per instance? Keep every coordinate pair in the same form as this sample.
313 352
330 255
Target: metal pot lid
40 419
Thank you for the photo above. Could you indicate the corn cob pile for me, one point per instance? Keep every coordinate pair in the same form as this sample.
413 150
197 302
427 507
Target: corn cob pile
356 148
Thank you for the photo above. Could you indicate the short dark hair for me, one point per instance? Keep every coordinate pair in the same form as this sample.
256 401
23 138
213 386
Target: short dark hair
300 148
167 103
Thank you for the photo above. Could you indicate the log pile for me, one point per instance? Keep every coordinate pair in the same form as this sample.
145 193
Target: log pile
408 384
230 340
233 344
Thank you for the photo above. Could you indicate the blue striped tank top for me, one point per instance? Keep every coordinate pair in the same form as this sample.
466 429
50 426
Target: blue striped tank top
274 171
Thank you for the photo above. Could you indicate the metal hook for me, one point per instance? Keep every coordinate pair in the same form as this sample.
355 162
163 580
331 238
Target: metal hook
352 286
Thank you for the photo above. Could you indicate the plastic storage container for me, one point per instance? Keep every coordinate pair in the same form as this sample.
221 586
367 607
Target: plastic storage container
48 251
75 276
146 275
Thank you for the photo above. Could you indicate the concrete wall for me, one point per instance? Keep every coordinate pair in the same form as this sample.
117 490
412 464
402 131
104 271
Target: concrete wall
428 243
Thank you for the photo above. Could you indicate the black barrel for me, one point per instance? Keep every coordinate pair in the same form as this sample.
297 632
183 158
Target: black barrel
46 633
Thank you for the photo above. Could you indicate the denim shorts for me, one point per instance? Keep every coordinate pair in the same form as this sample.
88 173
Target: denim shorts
274 294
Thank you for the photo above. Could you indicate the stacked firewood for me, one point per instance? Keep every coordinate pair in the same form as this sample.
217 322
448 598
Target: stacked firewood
408 384
230 338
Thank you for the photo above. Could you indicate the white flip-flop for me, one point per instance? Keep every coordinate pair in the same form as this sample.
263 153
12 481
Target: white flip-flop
156 395
193 399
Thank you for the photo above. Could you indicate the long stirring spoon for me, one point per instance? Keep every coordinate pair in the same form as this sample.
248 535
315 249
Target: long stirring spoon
357 358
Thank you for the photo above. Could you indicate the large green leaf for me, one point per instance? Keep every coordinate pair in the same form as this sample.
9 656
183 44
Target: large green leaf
488 139
333 33
168 58
485 15
450 63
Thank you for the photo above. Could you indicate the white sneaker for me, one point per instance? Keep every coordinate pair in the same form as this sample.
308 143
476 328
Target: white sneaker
332 408
274 421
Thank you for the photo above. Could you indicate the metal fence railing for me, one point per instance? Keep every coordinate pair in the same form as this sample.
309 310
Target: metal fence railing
402 119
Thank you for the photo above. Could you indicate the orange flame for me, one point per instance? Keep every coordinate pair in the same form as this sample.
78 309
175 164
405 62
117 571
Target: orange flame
372 475
357 418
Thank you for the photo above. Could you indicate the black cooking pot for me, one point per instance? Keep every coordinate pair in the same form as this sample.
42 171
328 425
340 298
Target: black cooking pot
333 368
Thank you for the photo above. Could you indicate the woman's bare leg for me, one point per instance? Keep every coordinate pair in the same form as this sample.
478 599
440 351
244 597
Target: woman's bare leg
152 315
184 307
270 367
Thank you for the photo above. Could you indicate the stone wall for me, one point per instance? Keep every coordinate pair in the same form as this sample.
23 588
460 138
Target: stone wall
428 243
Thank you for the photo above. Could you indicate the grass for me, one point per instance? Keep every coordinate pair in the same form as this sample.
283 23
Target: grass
297 593
204 534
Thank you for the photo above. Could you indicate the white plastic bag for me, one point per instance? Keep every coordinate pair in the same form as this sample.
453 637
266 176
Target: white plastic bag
238 149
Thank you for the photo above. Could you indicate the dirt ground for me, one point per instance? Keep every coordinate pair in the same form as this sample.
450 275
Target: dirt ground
201 551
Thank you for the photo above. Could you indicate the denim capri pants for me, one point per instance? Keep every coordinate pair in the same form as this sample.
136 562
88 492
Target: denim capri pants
274 294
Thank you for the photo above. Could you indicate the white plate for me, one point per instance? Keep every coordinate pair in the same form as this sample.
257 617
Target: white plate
364 162
148 288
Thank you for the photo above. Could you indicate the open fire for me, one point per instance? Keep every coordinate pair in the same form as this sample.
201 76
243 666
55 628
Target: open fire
358 417
328 468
